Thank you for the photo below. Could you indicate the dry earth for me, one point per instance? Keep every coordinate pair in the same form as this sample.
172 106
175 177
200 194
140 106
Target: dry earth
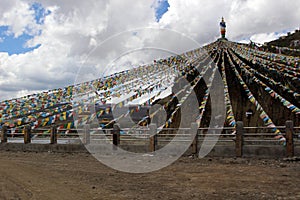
80 176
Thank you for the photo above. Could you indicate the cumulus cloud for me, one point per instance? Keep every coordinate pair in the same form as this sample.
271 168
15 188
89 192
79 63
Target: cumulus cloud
19 17
244 18
265 37
99 37
250 17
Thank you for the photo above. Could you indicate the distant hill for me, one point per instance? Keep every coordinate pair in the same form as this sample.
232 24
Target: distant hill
288 43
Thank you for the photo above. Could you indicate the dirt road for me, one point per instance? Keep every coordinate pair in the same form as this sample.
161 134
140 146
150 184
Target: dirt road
80 176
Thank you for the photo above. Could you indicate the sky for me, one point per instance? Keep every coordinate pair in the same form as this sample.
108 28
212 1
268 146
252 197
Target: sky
51 44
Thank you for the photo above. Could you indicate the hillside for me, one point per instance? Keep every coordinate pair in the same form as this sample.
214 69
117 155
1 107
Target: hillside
260 89
289 45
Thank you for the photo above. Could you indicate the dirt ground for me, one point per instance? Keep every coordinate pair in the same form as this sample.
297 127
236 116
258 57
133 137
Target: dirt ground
44 176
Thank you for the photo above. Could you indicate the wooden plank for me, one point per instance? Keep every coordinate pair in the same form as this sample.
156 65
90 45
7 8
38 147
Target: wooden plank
53 135
4 134
289 138
153 137
27 134
193 130
239 139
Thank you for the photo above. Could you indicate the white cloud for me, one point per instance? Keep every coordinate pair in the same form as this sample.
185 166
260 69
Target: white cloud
74 28
19 17
244 17
250 17
244 41
265 37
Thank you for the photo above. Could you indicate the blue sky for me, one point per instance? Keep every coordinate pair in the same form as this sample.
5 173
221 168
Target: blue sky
40 12
161 9
13 45
17 45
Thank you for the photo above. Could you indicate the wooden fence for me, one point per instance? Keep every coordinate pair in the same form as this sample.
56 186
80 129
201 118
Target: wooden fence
238 138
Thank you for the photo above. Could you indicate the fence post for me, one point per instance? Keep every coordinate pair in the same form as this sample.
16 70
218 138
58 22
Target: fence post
27 134
289 125
4 134
193 130
53 135
239 139
86 134
153 137
116 136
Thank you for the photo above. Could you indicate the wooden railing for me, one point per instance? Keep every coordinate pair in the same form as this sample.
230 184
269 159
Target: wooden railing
238 137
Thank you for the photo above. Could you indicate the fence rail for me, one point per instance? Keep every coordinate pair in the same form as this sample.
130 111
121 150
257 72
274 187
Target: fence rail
238 137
